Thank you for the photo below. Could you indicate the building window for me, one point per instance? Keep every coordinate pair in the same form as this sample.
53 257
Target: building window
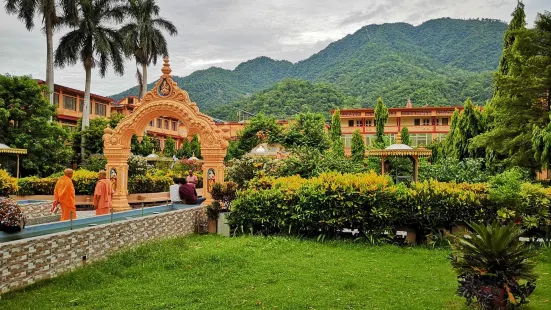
166 124
174 126
151 123
69 103
437 120
347 139
445 121
350 123
392 138
417 122
420 139
368 122
370 139
441 136
81 105
359 123
56 98
101 109
159 123
426 121
130 100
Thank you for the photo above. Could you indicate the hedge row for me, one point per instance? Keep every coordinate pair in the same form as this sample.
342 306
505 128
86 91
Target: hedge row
85 182
369 202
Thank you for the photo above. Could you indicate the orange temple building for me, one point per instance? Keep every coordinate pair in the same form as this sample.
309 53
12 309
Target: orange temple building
425 124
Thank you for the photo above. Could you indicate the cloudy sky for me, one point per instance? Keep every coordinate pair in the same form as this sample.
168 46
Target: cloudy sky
224 33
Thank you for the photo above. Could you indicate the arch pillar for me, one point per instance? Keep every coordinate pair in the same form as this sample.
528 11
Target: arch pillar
117 172
213 170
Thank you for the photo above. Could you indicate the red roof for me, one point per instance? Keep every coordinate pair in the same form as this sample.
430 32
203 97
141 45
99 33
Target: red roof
72 90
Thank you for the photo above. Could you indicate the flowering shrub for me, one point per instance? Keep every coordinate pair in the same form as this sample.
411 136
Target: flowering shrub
8 184
332 201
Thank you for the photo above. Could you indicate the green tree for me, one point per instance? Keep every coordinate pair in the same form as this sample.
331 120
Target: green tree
93 136
258 130
47 11
308 130
115 119
404 135
448 146
185 149
521 107
358 147
381 117
195 146
143 38
517 22
94 43
469 125
143 148
170 147
337 145
25 123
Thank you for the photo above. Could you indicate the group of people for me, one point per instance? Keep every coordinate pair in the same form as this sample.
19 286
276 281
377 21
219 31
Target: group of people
64 195
183 190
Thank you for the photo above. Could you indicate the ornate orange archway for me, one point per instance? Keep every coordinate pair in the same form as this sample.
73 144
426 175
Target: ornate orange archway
165 99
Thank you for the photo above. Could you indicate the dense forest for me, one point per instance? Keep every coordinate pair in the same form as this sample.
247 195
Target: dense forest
440 62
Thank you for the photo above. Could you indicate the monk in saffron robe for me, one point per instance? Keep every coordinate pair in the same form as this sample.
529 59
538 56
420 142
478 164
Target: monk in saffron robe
64 195
103 194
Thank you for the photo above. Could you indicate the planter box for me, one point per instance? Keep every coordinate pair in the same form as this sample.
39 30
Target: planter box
222 227
212 226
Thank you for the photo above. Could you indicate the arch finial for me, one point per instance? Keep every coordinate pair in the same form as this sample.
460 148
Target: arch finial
166 67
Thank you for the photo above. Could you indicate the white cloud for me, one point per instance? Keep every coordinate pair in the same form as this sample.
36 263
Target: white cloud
224 33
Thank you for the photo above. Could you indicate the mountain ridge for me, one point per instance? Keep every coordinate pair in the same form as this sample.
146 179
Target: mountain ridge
439 62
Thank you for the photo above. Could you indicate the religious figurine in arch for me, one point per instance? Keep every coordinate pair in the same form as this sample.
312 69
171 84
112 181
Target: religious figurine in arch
113 178
211 179
164 89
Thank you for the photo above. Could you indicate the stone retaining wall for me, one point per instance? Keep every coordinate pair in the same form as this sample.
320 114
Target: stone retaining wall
36 210
26 261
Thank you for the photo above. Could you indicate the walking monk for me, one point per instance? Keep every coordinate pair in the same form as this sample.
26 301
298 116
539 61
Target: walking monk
64 195
103 194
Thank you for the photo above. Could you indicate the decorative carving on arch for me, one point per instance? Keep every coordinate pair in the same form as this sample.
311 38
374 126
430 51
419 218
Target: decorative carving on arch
165 99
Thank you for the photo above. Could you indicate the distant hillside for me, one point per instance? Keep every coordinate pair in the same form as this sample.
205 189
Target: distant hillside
287 98
440 62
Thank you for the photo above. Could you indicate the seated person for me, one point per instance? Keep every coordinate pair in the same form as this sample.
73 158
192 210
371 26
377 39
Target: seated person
12 218
188 194
175 190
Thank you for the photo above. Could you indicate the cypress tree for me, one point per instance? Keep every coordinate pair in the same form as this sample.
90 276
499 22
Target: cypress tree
381 116
404 134
170 147
517 22
337 146
358 147
469 125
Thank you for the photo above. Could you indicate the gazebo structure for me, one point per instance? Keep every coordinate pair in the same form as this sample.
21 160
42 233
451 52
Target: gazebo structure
4 149
401 150
268 150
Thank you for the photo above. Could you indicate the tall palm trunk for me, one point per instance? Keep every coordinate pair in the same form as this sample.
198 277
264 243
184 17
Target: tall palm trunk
86 107
144 80
49 57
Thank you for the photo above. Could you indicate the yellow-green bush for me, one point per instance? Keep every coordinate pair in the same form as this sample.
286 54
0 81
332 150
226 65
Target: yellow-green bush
8 184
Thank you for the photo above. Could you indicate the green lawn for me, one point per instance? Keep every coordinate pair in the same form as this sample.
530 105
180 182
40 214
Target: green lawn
210 272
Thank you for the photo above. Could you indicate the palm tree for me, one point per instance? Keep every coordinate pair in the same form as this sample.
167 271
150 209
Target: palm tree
92 42
26 11
143 37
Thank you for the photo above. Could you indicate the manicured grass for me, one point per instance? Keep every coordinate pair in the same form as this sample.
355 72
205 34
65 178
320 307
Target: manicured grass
210 272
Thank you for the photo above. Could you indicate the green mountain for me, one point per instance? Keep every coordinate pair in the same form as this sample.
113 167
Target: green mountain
440 62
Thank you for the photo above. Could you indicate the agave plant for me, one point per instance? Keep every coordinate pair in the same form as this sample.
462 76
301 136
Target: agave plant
494 268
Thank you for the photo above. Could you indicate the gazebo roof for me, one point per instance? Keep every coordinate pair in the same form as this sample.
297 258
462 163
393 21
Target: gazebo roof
8 150
399 149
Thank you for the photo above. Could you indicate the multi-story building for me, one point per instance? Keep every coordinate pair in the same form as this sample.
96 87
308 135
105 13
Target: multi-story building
425 124
70 104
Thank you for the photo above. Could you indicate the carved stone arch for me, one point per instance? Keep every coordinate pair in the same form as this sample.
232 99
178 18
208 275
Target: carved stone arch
165 99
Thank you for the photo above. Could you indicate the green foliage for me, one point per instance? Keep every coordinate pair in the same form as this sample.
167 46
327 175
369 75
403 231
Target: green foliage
518 22
143 148
494 268
25 123
287 98
137 165
95 163
224 192
449 169
308 130
149 184
330 202
335 134
247 168
404 135
357 147
170 147
93 136
427 63
468 124
258 130
115 119
8 184
195 147
381 117
213 210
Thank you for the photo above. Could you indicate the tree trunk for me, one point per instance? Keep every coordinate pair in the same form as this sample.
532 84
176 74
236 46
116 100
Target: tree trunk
49 57
144 80
86 108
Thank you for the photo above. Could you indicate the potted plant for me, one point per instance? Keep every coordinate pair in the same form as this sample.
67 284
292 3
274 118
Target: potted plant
494 268
213 211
